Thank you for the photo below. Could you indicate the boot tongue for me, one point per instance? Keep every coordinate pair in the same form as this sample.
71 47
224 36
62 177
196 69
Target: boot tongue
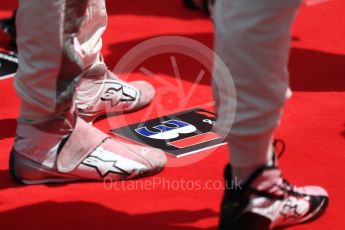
48 133
97 72
60 126
267 181
82 142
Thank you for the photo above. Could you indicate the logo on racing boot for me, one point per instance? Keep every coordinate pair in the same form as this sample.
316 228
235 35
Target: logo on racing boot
119 93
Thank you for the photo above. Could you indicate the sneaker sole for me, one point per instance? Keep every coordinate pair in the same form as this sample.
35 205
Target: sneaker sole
39 169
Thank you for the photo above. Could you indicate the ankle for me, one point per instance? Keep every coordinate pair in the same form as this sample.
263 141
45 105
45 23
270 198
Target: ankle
243 173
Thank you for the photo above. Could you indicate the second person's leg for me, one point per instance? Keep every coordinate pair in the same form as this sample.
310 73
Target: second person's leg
253 39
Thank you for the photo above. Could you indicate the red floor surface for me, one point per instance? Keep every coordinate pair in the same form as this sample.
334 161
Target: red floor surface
313 128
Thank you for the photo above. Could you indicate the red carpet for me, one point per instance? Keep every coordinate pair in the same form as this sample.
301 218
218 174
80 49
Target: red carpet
313 128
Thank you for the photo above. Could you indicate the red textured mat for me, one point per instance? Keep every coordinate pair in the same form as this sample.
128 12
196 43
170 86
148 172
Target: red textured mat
313 128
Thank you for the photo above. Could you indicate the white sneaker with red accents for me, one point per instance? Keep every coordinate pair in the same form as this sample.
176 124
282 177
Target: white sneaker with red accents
267 201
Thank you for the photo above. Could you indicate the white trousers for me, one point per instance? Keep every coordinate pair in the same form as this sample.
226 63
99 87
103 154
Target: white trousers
57 41
253 39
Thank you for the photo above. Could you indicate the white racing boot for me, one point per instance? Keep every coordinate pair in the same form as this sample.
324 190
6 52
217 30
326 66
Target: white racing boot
56 152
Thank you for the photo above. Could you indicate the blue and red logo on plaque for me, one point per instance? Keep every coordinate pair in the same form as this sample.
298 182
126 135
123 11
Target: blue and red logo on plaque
178 134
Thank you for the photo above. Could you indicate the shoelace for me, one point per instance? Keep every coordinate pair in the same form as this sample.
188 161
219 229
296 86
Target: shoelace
289 188
279 147
279 151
